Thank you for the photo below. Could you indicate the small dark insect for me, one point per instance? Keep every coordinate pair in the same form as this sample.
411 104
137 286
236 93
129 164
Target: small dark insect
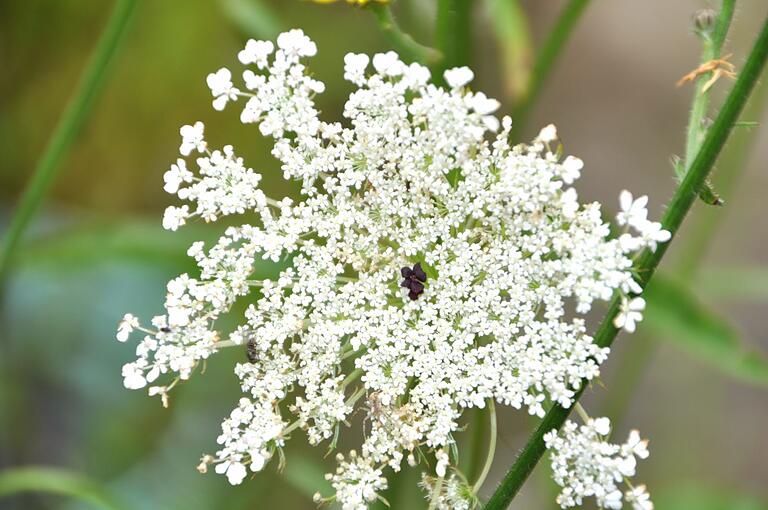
414 280
251 351
165 329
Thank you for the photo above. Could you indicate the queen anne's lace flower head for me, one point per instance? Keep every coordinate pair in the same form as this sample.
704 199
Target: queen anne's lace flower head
495 241
586 465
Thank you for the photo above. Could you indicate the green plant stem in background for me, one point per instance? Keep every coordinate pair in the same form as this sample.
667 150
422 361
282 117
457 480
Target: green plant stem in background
453 35
713 40
689 259
55 481
491 447
681 202
733 163
712 48
513 36
700 231
401 41
546 58
66 131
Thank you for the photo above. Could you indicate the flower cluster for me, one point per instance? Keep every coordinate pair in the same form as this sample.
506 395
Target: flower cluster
586 465
495 242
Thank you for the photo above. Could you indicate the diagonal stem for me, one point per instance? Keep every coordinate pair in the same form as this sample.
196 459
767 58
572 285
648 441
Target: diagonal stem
681 203
70 124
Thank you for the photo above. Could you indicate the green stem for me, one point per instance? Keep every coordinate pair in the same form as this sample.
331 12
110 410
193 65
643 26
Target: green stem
436 494
491 447
547 57
474 452
453 35
70 124
681 203
401 41
712 48
641 352
733 163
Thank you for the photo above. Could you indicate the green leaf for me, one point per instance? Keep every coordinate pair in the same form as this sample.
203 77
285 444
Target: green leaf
56 481
510 26
677 315
253 17
92 242
701 497
734 283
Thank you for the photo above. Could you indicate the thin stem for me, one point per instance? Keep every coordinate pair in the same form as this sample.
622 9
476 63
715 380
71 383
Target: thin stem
713 41
453 35
351 377
491 447
436 494
712 47
582 412
640 353
547 57
403 42
733 163
67 129
474 455
681 203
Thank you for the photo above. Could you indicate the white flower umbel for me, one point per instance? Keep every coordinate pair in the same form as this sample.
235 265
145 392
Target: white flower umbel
586 465
428 268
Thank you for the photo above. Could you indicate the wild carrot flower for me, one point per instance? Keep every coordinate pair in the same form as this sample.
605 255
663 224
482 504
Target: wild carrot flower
494 240
585 465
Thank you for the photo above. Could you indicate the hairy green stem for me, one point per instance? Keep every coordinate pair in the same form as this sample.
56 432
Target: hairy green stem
453 35
640 353
401 41
546 58
67 129
733 164
681 203
712 47
713 40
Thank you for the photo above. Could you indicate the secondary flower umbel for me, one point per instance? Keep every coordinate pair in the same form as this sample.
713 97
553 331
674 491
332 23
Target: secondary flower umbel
415 179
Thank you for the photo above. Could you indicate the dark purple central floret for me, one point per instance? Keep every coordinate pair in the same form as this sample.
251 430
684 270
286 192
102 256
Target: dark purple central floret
414 280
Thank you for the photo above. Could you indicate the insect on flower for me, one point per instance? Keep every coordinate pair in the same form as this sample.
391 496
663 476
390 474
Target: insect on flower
414 280
251 351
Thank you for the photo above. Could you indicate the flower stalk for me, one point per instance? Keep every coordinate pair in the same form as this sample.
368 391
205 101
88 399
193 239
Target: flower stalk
491 447
679 206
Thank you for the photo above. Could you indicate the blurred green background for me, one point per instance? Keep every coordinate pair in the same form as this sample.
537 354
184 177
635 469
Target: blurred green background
96 250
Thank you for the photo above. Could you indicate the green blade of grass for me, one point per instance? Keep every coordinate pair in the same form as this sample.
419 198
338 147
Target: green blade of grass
55 481
66 131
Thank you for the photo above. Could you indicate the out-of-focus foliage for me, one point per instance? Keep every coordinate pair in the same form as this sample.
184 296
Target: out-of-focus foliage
673 313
